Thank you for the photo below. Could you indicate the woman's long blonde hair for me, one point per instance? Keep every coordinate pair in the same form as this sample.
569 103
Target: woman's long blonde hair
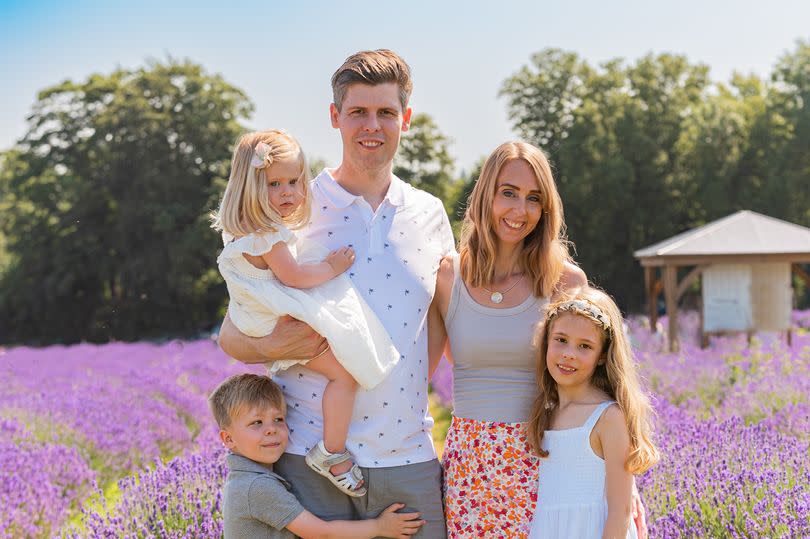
617 376
545 249
245 206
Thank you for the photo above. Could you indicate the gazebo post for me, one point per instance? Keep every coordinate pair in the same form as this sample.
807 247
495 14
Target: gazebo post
652 312
671 298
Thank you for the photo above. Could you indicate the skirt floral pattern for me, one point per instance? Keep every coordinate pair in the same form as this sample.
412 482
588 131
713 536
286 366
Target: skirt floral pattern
490 480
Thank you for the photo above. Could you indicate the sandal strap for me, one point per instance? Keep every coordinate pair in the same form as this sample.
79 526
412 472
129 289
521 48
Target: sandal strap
351 478
325 458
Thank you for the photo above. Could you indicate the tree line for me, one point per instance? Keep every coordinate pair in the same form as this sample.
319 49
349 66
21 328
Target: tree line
104 201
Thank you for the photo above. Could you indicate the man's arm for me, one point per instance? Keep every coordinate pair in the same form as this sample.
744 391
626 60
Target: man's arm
290 339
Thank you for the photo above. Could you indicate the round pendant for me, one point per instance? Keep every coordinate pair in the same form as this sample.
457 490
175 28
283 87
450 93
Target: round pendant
496 297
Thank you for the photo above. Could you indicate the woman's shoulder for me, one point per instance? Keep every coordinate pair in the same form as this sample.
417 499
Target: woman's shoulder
445 275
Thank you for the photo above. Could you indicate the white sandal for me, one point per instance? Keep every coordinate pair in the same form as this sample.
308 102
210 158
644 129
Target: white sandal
320 460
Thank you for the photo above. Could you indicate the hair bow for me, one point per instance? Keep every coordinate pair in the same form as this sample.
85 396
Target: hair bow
261 155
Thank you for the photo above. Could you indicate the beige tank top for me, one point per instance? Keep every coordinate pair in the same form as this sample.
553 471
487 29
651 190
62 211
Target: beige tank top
494 369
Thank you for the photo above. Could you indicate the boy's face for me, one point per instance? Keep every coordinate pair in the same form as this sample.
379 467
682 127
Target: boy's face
257 433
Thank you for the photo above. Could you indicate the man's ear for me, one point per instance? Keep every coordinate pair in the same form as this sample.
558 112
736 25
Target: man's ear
334 114
406 119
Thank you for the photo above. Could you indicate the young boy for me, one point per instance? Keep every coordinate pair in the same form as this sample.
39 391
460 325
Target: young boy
250 411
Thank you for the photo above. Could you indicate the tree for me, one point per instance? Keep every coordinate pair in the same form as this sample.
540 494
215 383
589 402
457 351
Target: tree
105 206
423 159
612 136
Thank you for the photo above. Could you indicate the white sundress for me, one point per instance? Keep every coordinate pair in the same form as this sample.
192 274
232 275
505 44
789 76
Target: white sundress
334 309
571 501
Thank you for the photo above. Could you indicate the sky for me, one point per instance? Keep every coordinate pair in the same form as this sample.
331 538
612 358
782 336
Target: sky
283 53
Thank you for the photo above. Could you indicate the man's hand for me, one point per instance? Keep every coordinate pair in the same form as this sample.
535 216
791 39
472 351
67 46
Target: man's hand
639 517
290 339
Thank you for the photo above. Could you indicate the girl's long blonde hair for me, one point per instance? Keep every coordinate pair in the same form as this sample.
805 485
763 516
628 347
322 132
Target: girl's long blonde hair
545 249
617 376
245 206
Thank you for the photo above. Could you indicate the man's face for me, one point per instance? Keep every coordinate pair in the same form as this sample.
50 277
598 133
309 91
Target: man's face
370 121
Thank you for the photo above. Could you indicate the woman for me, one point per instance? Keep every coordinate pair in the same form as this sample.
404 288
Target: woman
512 258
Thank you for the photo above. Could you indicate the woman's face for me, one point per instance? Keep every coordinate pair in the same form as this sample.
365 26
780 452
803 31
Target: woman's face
518 203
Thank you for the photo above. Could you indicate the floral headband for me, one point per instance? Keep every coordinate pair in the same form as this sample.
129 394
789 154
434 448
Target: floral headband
261 156
584 308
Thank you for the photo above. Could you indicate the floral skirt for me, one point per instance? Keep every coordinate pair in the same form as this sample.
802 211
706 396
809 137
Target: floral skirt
490 480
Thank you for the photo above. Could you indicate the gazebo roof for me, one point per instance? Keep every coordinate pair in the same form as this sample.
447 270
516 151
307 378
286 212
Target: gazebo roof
742 233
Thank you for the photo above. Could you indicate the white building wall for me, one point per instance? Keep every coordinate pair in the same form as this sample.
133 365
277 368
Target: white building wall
727 298
771 295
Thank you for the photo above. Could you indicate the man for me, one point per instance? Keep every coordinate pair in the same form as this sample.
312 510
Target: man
400 235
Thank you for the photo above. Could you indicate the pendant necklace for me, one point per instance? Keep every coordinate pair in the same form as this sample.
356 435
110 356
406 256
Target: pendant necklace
497 297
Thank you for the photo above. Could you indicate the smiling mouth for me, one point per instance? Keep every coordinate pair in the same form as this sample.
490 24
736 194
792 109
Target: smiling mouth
565 369
370 144
513 224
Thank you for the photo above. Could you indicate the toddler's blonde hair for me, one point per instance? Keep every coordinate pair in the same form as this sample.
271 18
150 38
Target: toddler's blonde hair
245 206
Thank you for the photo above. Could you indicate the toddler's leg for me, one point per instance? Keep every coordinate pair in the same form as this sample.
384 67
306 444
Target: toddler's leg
338 402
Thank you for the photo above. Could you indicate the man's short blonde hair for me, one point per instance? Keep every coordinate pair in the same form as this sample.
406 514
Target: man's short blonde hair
244 391
373 68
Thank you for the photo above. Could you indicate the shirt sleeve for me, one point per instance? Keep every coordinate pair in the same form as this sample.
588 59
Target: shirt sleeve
448 242
271 503
257 244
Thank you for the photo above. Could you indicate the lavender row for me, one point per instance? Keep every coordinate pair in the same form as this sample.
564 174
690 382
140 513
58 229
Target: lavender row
75 418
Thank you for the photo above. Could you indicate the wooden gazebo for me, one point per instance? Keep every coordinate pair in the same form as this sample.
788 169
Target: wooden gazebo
745 262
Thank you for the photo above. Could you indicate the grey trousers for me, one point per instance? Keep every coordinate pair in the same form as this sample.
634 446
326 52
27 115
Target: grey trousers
418 486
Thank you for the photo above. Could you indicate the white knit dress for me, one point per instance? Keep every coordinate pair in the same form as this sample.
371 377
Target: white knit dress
571 501
334 309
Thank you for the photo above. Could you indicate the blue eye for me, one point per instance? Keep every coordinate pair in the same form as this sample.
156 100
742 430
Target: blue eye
274 183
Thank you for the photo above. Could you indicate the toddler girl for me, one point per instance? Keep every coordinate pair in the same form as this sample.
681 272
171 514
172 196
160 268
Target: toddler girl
269 274
591 422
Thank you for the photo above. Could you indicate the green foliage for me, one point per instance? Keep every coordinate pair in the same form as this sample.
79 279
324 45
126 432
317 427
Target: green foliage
423 159
644 151
105 203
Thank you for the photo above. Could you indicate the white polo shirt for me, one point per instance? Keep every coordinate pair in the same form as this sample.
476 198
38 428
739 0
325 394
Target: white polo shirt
399 248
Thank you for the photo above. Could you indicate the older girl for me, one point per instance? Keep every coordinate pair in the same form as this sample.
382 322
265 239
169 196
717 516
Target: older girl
590 422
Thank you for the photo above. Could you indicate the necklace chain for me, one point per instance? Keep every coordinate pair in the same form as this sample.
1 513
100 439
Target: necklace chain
497 297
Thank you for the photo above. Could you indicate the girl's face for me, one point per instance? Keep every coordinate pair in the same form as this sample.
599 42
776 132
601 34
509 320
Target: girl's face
574 350
518 203
286 194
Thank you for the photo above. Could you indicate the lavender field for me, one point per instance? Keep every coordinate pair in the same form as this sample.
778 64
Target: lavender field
116 440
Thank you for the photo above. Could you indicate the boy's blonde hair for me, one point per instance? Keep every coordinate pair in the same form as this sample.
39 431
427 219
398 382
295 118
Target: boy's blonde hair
617 376
245 206
244 391
372 68
544 251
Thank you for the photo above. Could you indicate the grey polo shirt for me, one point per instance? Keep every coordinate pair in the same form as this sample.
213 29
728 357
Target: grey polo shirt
257 503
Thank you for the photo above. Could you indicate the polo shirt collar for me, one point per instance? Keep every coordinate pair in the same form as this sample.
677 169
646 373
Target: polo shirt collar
238 463
341 198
